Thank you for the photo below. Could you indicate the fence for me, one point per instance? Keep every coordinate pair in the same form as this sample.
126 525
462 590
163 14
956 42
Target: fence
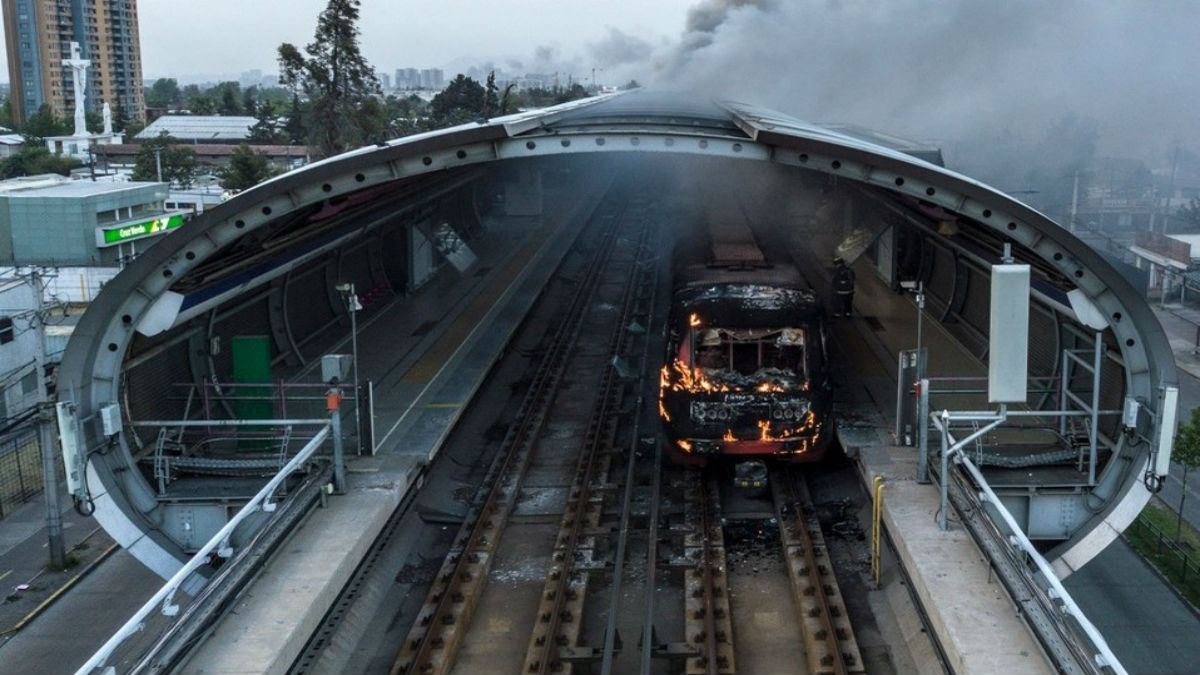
1176 562
20 469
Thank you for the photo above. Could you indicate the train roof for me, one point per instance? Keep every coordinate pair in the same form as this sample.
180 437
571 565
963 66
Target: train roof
735 304
776 275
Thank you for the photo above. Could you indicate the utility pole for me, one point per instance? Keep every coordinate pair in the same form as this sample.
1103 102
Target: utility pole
46 436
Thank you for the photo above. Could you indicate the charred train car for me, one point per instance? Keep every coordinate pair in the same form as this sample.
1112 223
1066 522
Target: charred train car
745 372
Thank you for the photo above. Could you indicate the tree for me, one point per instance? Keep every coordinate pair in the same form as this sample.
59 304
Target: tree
246 169
178 163
266 126
203 105
44 123
335 77
1189 214
164 93
1187 453
491 101
461 101
229 105
6 114
36 159
295 131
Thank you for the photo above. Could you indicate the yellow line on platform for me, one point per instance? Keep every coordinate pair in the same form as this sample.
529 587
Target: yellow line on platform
6 573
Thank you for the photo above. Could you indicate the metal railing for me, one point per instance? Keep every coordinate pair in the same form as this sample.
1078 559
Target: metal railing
1049 592
165 597
1165 544
20 469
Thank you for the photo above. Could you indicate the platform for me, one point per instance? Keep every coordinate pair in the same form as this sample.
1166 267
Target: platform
420 400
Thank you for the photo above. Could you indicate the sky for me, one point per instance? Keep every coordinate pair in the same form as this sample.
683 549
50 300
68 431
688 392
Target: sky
935 70
231 36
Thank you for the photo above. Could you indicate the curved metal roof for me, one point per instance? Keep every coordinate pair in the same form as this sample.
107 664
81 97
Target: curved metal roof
146 294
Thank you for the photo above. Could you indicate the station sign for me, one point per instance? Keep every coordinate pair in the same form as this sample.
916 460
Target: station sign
119 234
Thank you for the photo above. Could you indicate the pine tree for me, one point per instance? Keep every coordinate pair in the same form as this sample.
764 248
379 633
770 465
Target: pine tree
336 79
491 102
246 169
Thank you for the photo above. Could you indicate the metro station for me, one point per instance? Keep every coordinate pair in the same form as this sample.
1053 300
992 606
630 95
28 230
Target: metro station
314 411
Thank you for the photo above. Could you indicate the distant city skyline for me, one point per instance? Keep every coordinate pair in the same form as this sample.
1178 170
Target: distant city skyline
220 39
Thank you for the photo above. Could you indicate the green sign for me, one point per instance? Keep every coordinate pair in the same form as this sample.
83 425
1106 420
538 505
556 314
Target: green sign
124 233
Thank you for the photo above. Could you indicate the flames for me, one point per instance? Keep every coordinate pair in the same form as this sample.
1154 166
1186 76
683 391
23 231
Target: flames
769 388
728 435
684 445
691 380
694 320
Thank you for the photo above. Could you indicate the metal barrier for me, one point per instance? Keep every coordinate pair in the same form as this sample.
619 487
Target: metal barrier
1050 592
20 469
1188 566
166 595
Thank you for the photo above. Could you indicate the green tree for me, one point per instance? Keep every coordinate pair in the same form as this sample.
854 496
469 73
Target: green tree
632 84
266 126
294 130
229 104
491 101
1189 214
36 159
44 123
336 79
462 100
6 114
203 105
250 101
246 169
164 93
178 163
1187 453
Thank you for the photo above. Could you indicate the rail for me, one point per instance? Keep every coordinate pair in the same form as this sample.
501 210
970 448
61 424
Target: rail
1053 597
166 595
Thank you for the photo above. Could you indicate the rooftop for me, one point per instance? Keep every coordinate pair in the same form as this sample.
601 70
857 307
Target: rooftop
53 185
199 127
207 149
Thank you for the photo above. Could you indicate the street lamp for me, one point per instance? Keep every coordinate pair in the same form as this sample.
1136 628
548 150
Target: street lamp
352 307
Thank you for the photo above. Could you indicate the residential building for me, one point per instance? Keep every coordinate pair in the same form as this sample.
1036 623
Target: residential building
38 37
18 348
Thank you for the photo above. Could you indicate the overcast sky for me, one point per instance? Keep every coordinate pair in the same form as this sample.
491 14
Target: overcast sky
231 36
931 69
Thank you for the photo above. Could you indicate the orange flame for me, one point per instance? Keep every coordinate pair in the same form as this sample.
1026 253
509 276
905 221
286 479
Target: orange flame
728 435
694 320
684 445
662 411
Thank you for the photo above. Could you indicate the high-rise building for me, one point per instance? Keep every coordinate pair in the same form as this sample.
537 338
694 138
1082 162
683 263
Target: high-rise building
38 36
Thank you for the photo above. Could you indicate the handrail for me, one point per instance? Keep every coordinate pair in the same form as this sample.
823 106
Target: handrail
1103 655
166 594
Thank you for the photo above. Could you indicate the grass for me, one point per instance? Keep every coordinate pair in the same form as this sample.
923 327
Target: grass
1167 555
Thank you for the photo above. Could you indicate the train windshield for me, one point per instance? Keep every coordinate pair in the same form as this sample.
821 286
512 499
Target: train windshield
760 359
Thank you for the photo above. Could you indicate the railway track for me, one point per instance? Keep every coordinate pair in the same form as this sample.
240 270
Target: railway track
738 619
576 393
579 533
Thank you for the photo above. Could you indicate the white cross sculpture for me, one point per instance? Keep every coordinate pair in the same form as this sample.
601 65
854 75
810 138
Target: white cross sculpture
79 68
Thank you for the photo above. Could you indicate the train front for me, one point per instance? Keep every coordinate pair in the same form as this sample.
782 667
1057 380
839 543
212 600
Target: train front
745 374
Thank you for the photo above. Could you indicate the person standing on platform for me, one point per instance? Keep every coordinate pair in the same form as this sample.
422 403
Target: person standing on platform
843 288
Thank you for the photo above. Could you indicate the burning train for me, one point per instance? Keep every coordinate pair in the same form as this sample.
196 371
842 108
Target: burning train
745 372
